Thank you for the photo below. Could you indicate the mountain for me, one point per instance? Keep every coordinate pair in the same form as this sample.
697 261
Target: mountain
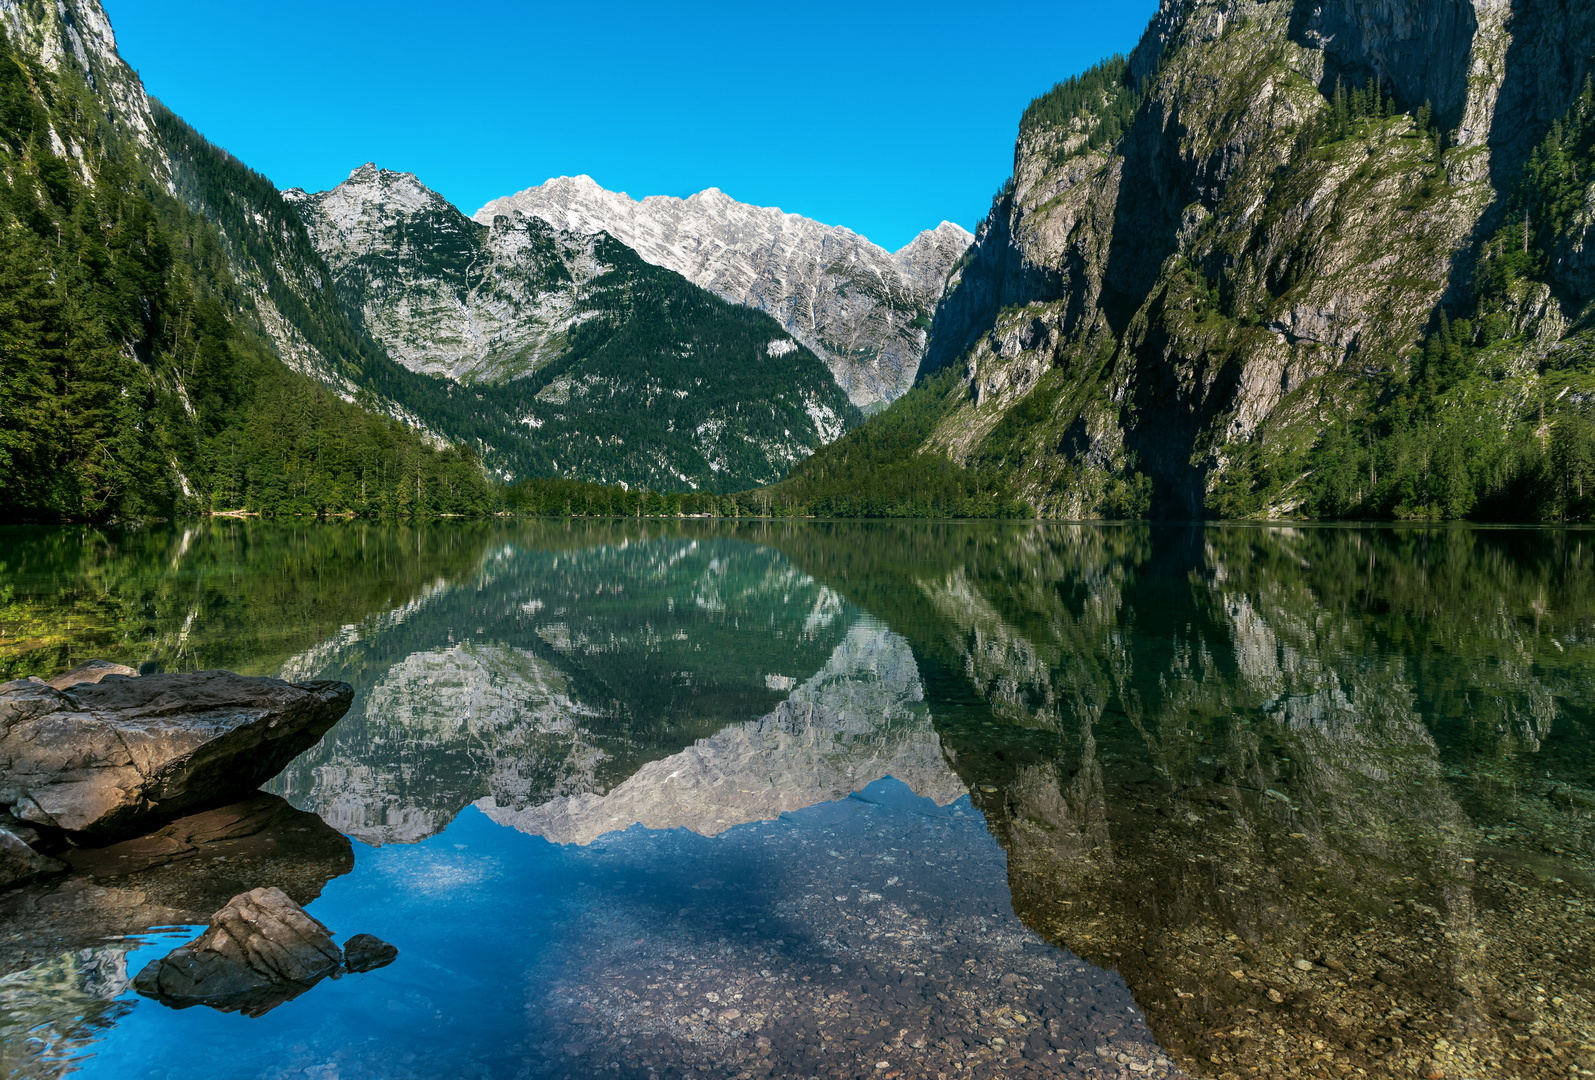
1286 259
862 309
571 355
138 377
528 351
444 295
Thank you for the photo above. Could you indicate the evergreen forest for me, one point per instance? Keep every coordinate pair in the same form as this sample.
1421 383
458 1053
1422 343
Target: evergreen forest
134 381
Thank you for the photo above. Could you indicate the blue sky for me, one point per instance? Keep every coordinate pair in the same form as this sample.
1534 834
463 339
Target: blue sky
886 117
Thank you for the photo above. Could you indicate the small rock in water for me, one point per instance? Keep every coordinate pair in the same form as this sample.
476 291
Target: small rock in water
363 952
261 950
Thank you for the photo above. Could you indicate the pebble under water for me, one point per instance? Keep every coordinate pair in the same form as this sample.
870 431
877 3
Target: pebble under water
868 936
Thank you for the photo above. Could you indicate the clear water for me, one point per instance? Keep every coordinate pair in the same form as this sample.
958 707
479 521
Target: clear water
824 800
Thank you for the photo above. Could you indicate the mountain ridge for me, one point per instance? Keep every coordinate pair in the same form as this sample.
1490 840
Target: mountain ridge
576 357
862 309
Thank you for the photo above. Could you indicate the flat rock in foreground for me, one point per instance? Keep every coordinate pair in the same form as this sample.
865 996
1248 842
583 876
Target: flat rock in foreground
261 950
116 758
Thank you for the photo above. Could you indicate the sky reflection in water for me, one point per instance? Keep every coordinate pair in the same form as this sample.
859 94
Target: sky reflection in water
1295 789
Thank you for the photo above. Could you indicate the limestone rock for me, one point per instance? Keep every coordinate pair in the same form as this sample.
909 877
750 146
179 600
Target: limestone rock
261 949
19 863
116 758
91 672
861 308
363 952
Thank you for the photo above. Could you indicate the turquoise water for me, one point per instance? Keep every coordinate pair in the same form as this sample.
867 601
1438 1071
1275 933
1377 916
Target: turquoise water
818 800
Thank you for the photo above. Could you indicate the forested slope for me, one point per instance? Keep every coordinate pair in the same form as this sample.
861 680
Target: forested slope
133 381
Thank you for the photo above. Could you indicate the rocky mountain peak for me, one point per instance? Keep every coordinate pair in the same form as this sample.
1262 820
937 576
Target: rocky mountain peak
861 309
443 294
352 215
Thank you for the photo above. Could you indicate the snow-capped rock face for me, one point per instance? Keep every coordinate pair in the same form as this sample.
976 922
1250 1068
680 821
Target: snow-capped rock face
444 295
656 381
862 309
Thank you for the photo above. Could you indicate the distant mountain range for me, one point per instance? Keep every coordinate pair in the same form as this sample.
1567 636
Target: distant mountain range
863 310
1296 260
575 357
567 342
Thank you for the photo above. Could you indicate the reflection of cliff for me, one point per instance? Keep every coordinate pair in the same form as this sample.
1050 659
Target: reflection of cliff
441 725
1260 771
859 719
556 671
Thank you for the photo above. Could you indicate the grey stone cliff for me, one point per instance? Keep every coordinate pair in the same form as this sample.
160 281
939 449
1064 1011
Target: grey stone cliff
862 309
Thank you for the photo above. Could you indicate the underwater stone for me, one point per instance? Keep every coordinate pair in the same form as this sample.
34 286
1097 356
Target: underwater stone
364 952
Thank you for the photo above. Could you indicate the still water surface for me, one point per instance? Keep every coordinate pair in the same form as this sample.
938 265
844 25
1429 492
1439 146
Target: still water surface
645 799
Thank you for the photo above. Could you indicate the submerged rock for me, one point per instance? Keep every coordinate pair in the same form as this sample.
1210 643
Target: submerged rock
19 863
255 831
179 875
115 758
261 950
364 952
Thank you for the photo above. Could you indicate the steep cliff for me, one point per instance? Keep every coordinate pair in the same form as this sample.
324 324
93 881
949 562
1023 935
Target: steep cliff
862 309
1265 266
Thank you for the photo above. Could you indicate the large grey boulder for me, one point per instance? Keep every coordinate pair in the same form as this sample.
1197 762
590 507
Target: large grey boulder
261 949
118 757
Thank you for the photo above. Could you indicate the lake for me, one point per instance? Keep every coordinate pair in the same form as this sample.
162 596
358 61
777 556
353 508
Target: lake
746 799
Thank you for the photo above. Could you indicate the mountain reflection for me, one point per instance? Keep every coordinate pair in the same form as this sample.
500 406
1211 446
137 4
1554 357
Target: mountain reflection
859 720
555 673
1298 786
1315 793
1325 798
